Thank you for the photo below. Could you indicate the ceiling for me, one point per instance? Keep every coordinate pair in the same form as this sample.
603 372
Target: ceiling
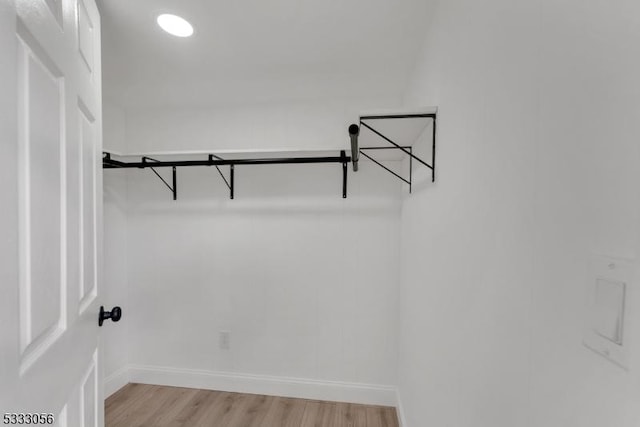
254 51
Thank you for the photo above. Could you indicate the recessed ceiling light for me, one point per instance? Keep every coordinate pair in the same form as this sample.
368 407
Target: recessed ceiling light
175 25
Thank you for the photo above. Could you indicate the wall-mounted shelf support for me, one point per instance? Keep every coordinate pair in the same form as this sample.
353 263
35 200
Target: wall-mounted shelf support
174 188
381 165
343 156
228 183
146 162
354 131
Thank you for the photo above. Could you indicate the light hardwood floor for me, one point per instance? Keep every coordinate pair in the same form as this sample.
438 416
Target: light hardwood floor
139 405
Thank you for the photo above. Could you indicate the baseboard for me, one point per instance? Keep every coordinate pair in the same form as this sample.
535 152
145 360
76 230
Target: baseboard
116 381
400 410
369 394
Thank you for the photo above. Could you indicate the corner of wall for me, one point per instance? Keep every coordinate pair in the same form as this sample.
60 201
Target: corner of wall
116 381
402 420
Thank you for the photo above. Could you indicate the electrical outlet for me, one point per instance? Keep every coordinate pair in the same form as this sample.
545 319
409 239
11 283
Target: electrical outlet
225 340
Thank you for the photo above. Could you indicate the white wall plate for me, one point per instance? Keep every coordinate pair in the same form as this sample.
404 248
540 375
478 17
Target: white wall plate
608 305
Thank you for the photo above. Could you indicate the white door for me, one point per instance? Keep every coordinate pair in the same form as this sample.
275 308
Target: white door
50 211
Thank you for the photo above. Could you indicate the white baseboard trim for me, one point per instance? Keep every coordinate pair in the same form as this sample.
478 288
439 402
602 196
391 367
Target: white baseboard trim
400 410
369 394
116 381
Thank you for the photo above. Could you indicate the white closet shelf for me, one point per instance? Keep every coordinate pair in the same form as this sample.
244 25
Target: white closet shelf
395 132
241 153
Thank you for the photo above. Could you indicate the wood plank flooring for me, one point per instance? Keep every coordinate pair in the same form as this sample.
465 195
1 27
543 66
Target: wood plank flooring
140 405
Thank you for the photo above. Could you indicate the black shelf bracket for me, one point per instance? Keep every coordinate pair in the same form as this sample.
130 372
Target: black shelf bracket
354 131
174 188
212 160
228 183
343 156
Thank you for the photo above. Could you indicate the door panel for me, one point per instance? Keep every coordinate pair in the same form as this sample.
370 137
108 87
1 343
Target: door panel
41 189
85 35
89 396
50 221
88 290
55 6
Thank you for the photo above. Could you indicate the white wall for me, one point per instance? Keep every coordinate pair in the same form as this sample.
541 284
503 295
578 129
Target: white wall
284 127
114 126
115 290
537 169
590 122
305 281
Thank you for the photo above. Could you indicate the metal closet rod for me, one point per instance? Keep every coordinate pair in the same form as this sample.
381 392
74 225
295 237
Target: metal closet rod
110 163
213 160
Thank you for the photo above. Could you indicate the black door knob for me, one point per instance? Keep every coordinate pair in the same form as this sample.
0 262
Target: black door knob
115 314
